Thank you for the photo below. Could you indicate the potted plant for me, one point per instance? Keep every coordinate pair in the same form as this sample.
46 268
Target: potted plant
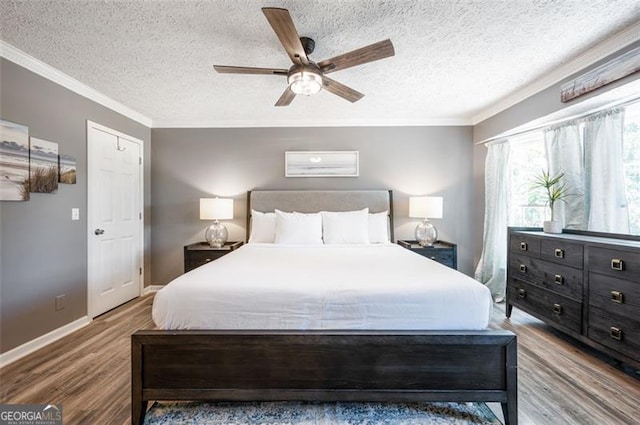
556 191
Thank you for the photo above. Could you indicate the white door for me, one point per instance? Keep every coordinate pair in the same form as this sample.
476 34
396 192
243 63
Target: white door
114 217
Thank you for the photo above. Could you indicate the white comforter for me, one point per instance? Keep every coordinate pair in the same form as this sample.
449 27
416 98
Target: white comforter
267 286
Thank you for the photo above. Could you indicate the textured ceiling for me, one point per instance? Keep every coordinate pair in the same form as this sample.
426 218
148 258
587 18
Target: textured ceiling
454 58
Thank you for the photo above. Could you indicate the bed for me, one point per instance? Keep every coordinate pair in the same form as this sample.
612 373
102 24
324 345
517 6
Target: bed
329 333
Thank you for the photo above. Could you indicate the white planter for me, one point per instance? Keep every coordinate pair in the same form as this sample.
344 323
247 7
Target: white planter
552 227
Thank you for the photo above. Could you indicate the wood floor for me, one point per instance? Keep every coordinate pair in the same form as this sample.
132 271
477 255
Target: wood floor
560 380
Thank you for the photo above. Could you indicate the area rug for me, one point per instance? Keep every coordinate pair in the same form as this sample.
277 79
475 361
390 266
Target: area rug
310 413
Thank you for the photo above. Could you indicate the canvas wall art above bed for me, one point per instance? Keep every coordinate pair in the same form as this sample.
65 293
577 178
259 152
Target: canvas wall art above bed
322 164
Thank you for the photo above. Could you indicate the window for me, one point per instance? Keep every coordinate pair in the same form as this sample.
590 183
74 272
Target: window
527 206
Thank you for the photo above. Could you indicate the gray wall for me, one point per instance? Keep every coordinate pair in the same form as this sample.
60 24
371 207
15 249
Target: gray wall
44 253
193 163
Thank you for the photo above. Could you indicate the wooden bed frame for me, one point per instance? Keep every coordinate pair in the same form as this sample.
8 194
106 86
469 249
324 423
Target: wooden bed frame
323 365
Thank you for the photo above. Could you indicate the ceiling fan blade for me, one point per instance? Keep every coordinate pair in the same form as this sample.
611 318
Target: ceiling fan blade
341 90
380 50
286 97
283 26
249 70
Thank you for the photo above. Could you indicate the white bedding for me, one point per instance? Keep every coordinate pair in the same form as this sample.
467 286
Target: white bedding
269 286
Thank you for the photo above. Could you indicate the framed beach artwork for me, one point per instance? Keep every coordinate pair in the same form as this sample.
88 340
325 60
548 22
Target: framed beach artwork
67 165
322 164
44 166
14 161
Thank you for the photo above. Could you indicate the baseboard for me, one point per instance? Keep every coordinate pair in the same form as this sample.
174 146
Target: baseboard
46 339
151 288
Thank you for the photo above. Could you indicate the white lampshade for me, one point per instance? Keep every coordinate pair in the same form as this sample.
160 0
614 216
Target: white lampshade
425 206
216 209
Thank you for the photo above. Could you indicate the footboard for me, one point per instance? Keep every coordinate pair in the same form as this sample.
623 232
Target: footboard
324 366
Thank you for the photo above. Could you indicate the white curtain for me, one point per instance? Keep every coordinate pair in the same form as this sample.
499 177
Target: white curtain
605 195
564 155
492 267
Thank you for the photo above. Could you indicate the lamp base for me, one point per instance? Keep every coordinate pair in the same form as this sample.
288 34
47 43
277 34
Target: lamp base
426 233
216 235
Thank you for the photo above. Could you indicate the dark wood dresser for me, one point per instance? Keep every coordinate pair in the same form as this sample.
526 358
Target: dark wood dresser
584 283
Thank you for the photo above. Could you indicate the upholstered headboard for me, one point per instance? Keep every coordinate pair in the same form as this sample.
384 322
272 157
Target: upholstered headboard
310 201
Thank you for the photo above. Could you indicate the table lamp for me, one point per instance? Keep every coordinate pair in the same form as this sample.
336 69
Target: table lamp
425 207
216 209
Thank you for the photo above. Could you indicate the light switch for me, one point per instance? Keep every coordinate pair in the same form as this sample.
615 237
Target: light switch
75 213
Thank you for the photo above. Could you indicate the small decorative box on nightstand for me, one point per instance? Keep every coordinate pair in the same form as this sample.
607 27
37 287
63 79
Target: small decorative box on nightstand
200 253
443 252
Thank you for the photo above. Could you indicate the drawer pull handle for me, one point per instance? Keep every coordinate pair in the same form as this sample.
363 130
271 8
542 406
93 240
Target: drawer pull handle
617 297
522 293
617 264
558 279
559 253
557 309
523 268
523 246
615 333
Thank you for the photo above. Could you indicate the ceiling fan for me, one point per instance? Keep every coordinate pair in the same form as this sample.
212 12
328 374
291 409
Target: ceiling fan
305 76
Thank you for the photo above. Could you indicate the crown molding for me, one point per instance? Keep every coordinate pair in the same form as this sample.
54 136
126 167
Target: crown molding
36 66
448 122
598 52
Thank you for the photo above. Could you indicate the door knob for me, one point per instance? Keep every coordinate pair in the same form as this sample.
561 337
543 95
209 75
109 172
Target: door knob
99 231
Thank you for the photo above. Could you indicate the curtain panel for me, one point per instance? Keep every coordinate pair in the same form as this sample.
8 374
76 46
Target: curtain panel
492 267
563 146
604 186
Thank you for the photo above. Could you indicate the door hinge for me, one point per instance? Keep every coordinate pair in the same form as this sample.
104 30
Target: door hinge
140 216
140 271
140 160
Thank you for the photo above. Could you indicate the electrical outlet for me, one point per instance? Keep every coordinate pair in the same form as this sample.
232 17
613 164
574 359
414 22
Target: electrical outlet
60 302
75 213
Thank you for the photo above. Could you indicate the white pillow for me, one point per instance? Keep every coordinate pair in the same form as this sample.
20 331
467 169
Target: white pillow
351 227
298 229
263 227
379 227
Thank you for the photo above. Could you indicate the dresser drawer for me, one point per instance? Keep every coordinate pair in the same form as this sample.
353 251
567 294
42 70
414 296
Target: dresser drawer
553 307
443 252
562 252
441 255
612 262
525 268
555 277
617 296
200 253
195 258
562 279
616 332
202 257
524 244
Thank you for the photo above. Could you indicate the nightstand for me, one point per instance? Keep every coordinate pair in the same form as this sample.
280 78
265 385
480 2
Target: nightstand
200 253
443 252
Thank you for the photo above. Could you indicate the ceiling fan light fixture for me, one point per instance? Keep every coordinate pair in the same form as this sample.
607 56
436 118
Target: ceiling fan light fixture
305 82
